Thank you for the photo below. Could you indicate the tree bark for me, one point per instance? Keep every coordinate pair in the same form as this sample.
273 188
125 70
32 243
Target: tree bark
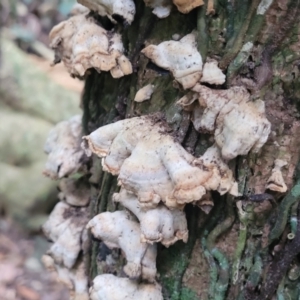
242 249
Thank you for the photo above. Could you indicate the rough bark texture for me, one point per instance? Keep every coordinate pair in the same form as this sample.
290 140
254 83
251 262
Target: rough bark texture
241 250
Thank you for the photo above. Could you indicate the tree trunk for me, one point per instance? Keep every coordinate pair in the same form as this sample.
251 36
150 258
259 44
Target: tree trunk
243 249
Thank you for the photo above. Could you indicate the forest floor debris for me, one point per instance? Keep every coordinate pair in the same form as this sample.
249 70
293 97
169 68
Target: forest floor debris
22 275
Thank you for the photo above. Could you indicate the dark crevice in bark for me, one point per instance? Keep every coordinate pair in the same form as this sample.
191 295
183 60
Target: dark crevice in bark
280 264
173 262
235 42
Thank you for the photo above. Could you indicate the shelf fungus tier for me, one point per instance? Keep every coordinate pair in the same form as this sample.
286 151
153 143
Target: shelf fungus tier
159 224
117 230
66 228
181 58
75 279
219 176
153 165
239 124
65 156
82 44
110 287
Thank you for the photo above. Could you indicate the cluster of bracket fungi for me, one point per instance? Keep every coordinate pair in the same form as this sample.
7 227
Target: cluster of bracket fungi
66 226
157 176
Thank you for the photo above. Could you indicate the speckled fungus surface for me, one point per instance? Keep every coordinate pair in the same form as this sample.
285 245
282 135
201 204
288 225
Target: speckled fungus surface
181 58
65 156
150 163
110 8
82 44
212 74
242 129
239 124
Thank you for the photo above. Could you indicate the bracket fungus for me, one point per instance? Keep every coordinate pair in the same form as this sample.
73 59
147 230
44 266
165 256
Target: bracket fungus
161 8
240 125
82 44
110 287
185 6
144 93
75 192
75 278
242 128
149 161
212 74
179 57
276 181
212 101
65 156
116 139
116 230
112 8
158 224
151 164
218 175
65 227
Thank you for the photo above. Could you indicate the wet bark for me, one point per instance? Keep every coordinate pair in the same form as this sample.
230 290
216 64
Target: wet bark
243 249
